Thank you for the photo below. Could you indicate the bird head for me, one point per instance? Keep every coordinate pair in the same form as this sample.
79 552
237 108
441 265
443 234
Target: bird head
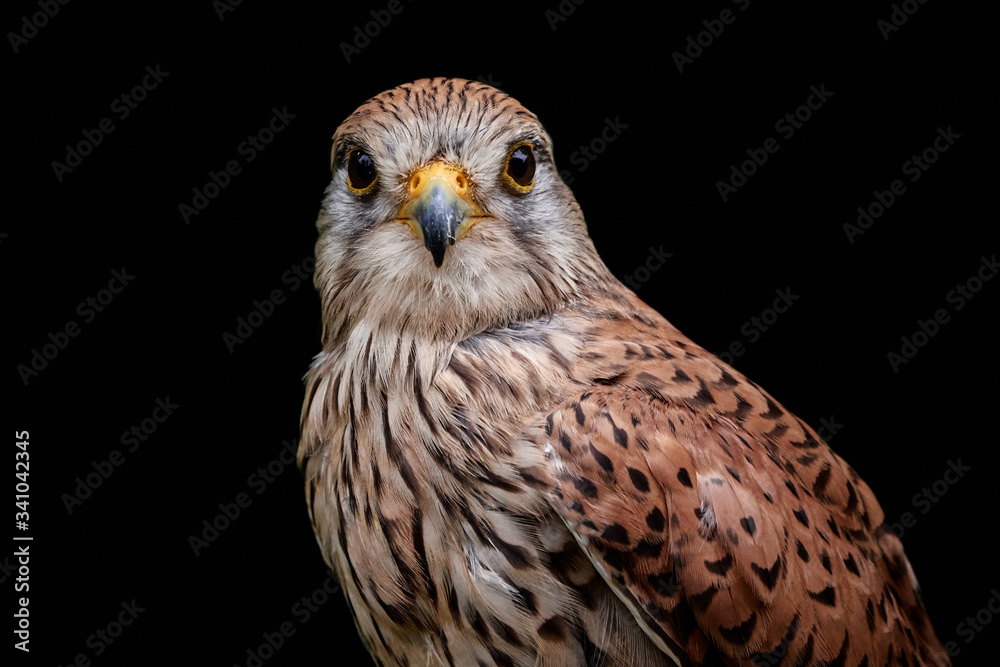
446 214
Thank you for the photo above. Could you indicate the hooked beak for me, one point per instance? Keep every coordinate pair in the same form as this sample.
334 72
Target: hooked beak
440 209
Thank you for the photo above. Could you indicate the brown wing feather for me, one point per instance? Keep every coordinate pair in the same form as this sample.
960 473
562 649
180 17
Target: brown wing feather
729 527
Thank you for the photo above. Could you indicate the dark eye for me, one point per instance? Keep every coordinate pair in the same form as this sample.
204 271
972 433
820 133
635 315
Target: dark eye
520 168
361 173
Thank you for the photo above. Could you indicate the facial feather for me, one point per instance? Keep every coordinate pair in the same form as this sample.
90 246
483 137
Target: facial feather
531 255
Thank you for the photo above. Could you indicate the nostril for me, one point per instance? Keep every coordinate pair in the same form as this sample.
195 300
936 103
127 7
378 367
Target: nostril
415 183
461 182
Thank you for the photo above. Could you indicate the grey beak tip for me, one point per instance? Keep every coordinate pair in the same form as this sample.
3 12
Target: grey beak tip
439 216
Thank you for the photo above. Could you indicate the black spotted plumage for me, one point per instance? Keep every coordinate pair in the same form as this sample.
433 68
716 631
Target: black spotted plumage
511 460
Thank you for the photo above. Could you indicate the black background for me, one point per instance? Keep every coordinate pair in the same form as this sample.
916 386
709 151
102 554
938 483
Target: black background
655 185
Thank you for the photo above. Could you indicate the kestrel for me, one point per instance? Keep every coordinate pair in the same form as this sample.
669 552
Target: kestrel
510 459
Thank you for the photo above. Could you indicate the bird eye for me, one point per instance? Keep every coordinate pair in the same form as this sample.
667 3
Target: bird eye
520 168
361 173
